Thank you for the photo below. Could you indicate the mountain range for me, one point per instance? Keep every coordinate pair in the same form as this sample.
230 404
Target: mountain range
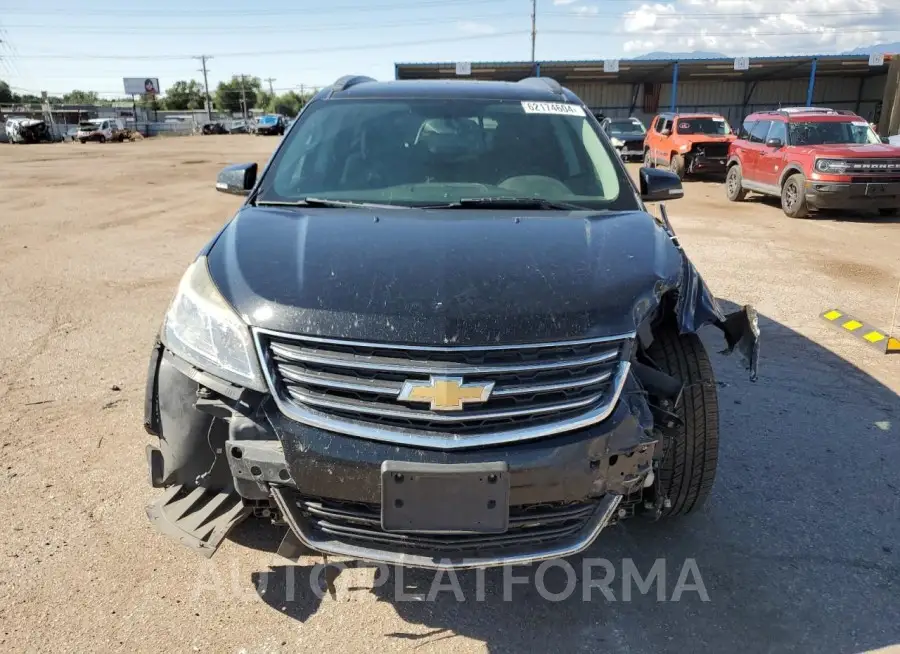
700 54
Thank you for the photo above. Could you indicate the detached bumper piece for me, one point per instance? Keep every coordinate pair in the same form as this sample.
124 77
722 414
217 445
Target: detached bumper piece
197 518
535 533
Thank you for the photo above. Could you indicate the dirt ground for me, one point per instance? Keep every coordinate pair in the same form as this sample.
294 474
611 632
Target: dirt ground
799 548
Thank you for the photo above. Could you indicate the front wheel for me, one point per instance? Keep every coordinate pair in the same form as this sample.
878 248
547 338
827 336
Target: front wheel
690 449
648 160
793 197
101 139
734 189
676 165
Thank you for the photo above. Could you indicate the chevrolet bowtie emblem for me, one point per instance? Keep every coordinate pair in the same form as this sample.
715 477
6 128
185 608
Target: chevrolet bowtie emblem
445 393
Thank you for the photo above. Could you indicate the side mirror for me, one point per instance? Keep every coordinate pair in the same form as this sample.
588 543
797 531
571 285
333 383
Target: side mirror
775 143
659 185
885 139
238 179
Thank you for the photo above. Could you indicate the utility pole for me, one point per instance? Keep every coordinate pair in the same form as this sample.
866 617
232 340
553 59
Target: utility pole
203 59
533 27
243 98
271 90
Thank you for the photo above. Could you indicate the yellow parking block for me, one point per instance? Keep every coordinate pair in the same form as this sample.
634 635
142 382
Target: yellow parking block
874 337
878 338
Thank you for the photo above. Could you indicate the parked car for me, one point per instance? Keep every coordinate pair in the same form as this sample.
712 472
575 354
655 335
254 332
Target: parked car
627 136
270 124
814 158
437 352
688 143
101 130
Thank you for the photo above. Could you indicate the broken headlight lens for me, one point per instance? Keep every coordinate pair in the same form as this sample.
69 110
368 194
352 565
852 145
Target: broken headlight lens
202 328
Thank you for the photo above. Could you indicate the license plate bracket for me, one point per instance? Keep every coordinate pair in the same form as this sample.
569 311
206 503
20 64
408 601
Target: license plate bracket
460 498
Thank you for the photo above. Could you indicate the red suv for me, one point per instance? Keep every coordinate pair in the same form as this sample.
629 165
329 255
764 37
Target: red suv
814 158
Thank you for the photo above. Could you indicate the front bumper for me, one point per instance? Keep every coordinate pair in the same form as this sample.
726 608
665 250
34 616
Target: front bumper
853 195
700 163
327 487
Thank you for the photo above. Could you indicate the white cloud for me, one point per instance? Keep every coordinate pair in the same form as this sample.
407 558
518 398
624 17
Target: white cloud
586 10
760 27
563 2
473 28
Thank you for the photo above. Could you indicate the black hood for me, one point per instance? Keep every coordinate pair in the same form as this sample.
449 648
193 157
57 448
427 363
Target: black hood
444 277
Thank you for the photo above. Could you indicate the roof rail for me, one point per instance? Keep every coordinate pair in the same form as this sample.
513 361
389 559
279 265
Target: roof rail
806 110
345 82
547 82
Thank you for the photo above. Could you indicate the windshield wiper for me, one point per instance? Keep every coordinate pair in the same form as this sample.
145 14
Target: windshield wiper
325 202
510 203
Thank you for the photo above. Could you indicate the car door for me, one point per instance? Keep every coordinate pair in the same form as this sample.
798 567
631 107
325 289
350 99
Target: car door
772 160
756 138
652 137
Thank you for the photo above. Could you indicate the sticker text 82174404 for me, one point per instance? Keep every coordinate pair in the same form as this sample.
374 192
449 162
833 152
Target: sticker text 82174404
556 108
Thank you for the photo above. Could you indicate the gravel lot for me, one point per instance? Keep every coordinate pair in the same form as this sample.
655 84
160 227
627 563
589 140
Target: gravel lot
799 548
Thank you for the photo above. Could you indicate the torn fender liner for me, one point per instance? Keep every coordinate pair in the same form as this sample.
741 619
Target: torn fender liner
697 306
198 518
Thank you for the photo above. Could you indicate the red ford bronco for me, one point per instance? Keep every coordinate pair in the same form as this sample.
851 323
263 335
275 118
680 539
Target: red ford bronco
814 158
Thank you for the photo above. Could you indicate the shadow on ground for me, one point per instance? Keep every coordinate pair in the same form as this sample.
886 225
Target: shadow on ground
798 548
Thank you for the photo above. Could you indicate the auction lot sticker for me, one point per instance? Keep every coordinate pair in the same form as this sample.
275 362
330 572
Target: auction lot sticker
556 108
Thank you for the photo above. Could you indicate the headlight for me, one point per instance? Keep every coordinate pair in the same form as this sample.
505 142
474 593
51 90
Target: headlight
831 166
202 328
617 143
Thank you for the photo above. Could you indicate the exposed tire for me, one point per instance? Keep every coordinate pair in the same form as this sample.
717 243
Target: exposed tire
101 139
793 197
734 191
676 165
691 450
887 213
648 160
82 141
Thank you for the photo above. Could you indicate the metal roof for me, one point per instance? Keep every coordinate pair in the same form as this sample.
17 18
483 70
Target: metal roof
656 70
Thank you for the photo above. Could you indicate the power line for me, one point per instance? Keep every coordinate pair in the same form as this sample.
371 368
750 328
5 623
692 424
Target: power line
221 55
203 59
281 10
444 20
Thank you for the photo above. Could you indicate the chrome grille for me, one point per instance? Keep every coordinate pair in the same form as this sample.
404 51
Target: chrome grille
535 387
529 526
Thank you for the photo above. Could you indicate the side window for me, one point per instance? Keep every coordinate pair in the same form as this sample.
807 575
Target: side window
668 125
778 131
745 129
658 125
759 131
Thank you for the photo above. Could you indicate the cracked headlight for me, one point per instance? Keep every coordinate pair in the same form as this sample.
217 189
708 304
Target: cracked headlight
835 166
202 328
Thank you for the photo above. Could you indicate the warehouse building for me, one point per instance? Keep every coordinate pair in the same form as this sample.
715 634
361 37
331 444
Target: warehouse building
644 87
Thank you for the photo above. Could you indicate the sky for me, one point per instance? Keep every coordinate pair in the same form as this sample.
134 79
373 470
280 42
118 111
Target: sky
58 45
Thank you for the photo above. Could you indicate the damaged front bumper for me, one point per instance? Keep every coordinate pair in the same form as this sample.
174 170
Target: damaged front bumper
328 488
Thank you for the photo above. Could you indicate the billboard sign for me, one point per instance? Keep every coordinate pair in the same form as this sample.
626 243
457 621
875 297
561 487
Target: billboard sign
141 85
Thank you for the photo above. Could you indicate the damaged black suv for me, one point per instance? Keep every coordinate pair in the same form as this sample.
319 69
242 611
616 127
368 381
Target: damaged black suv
442 331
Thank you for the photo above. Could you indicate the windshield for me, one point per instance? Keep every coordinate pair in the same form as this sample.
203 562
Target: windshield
714 125
832 132
626 127
427 152
268 119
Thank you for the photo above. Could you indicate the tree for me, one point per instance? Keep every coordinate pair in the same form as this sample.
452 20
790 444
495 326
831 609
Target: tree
6 94
81 97
183 96
228 94
287 104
